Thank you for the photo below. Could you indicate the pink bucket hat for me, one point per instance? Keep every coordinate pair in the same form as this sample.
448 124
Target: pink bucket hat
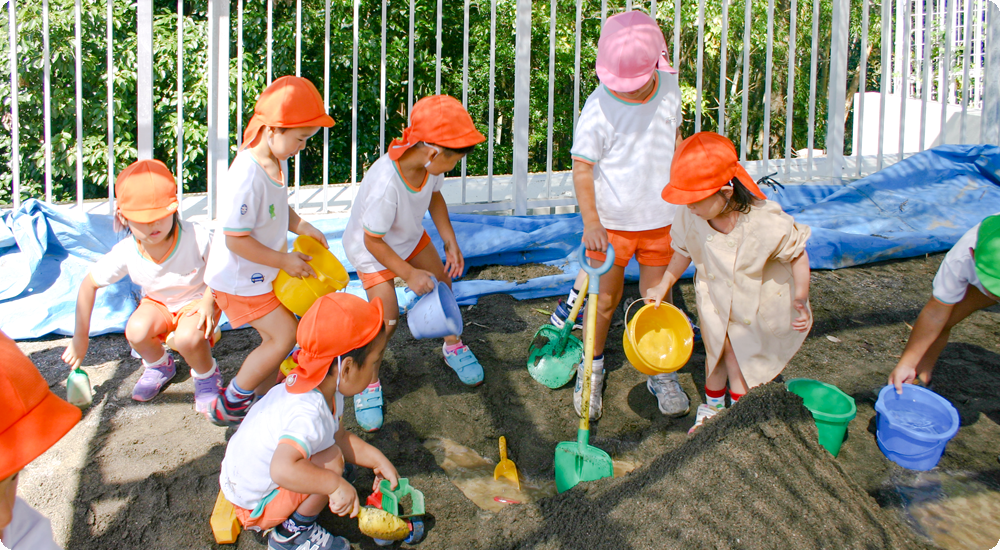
631 47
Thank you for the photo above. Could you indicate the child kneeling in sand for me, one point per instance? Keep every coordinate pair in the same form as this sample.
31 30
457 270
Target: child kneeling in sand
286 461
752 279
967 281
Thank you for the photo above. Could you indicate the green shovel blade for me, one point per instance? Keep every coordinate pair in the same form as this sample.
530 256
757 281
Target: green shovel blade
576 461
547 363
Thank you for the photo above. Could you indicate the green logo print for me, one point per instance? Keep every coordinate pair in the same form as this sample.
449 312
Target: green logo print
271 210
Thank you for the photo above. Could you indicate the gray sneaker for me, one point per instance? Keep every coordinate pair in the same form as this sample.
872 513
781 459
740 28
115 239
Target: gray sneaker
313 538
596 389
670 397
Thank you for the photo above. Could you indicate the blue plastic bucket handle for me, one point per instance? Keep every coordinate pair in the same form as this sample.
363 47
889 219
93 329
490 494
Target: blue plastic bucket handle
435 314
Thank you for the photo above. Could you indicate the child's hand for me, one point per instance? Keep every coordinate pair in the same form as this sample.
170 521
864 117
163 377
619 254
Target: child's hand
595 237
804 320
420 281
655 294
385 470
76 351
306 228
902 374
295 265
206 316
454 264
344 501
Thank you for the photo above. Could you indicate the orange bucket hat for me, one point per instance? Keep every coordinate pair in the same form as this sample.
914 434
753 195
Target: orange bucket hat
146 191
703 164
437 119
336 324
289 102
32 418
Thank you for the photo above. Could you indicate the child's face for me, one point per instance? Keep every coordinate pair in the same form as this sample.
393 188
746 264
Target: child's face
287 142
710 208
441 160
355 377
151 233
642 92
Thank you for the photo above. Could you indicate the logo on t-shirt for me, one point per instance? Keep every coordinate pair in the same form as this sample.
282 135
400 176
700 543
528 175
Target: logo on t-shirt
256 278
270 210
243 209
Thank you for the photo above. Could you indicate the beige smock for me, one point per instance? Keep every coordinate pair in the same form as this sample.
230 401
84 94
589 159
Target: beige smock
744 286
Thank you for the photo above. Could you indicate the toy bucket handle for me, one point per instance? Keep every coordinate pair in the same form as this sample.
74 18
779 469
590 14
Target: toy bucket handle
627 310
596 272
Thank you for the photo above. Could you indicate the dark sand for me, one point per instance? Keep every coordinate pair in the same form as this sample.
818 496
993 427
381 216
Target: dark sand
135 475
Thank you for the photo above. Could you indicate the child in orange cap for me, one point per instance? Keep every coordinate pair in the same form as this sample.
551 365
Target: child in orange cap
385 238
286 461
166 257
251 241
622 151
752 269
32 419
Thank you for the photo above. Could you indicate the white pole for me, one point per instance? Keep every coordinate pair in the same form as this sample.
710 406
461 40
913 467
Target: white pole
15 146
47 95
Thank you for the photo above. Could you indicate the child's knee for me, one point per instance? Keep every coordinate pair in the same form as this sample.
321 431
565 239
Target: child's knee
139 329
189 341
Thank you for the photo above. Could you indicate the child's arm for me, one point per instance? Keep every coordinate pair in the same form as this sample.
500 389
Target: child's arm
931 322
357 451
292 263
454 262
301 227
595 237
206 313
678 263
294 472
77 348
800 274
418 280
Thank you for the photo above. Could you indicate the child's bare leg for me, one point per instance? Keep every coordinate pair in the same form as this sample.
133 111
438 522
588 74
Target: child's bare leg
191 344
737 384
143 330
428 260
331 459
260 368
650 276
608 299
390 313
974 301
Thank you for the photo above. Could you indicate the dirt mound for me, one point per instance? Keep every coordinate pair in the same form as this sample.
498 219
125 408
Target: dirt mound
753 477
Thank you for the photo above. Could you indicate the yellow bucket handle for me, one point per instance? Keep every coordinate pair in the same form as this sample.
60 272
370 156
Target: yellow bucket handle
629 333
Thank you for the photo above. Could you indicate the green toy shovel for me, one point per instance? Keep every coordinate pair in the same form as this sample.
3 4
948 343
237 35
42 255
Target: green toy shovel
578 461
555 352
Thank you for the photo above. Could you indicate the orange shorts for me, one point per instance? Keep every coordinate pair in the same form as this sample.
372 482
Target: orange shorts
281 504
650 247
243 309
172 319
369 280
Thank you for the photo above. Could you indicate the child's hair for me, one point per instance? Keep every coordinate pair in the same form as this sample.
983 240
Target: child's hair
360 355
461 151
741 200
120 227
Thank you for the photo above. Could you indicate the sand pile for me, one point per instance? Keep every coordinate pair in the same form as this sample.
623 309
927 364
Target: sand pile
753 477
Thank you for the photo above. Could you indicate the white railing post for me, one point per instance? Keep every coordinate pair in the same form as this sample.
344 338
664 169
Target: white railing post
15 157
144 77
836 108
79 106
522 102
47 99
991 91
218 99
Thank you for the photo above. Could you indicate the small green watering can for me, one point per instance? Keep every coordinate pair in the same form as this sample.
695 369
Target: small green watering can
78 390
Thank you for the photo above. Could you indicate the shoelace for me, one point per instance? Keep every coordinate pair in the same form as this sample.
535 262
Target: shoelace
153 374
206 385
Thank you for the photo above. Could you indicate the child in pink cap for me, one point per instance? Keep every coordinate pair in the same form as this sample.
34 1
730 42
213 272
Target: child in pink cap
622 152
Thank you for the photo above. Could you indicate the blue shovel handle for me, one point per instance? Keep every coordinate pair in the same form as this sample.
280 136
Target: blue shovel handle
596 272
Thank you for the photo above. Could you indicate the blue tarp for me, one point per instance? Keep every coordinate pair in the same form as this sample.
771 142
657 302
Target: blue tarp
921 205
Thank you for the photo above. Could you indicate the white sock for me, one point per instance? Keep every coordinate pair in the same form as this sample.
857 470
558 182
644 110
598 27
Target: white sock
211 371
159 362
571 299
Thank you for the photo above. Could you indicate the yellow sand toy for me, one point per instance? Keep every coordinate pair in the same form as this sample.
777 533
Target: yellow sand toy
657 339
299 294
225 526
506 467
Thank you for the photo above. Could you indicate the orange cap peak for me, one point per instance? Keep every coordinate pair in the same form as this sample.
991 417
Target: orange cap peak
289 102
437 119
146 191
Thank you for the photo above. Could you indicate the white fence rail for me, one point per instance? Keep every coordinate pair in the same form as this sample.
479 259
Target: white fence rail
937 81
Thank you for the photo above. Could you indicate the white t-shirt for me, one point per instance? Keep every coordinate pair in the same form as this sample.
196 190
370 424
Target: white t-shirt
28 529
250 203
631 145
389 207
175 282
304 420
958 270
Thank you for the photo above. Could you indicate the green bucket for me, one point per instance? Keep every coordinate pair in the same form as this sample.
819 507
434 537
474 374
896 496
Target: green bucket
831 408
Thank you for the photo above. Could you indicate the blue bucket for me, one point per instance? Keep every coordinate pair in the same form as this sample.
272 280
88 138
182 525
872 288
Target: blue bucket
436 314
912 429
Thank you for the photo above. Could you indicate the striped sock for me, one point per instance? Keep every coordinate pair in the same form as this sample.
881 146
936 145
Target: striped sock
236 394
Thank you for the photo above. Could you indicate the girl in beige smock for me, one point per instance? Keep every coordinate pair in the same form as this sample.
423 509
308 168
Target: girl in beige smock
752 270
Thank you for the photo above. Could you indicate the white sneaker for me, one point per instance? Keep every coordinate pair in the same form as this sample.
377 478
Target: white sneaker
596 389
670 397
704 413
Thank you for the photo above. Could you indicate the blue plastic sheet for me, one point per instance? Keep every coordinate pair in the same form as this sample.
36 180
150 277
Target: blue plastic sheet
918 206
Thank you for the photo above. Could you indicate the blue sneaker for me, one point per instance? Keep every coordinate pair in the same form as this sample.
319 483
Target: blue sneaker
561 314
368 409
465 364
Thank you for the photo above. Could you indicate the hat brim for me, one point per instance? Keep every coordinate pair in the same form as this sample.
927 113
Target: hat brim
621 84
149 215
473 137
682 197
34 433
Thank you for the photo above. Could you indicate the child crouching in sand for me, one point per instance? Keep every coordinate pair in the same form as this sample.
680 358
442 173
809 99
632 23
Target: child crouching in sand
752 279
286 461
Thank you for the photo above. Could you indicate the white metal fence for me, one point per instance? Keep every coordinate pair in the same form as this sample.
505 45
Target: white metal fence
943 63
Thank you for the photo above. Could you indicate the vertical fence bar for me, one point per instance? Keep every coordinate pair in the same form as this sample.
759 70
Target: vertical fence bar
354 101
945 94
677 33
884 85
768 70
811 134
239 73
144 77
604 12
990 127
218 98
652 8
897 72
47 98
270 39
905 82
836 106
15 145
437 61
701 55
576 66
746 79
979 84
326 104
926 48
111 115
381 93
552 97
966 60
409 78
723 58
628 5
465 78
179 170
298 72
522 104
862 77
491 139
79 103
790 95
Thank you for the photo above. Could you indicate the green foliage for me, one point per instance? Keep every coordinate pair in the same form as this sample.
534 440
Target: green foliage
254 79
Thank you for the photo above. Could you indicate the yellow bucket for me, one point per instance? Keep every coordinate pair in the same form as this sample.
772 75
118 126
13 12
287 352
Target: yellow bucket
657 339
299 294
